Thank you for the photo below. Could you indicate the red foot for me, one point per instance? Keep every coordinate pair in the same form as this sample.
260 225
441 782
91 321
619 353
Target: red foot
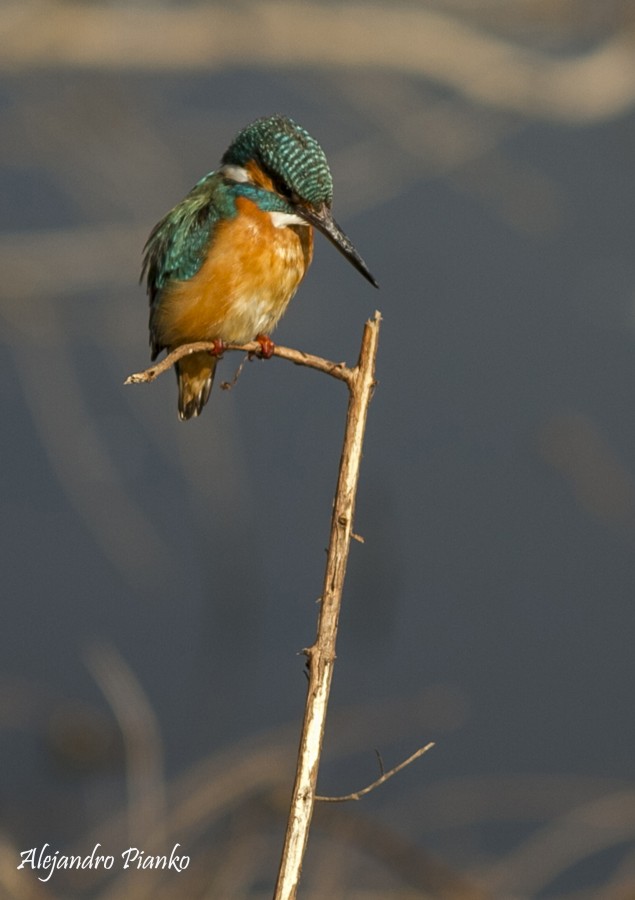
267 346
218 348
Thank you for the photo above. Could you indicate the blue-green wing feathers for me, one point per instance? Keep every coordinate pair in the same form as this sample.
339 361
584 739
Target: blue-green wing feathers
178 244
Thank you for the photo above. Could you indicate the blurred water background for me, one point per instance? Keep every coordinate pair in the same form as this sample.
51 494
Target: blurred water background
159 579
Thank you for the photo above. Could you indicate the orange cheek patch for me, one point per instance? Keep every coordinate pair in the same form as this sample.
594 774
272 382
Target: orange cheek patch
258 176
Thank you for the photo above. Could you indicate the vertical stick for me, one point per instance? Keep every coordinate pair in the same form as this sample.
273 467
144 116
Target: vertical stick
321 656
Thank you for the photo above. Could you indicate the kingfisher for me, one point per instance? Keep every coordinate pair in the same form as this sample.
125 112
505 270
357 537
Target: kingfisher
224 263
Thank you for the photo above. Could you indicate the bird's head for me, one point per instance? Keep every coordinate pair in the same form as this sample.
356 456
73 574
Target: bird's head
280 156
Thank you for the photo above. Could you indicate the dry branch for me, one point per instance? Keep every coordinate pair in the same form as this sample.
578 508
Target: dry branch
321 655
357 795
253 348
360 381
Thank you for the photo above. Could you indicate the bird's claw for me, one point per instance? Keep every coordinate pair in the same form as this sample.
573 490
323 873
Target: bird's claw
267 346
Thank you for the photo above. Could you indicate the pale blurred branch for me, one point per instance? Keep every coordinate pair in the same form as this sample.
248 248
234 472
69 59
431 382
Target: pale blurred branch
69 260
484 67
18 884
60 406
430 875
147 817
586 830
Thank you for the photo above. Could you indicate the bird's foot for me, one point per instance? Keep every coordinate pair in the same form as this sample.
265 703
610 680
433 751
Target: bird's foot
267 346
218 347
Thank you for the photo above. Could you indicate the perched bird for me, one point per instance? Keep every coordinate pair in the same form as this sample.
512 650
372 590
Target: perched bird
224 263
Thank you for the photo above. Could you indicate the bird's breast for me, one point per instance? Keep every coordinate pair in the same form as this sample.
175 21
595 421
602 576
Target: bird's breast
252 269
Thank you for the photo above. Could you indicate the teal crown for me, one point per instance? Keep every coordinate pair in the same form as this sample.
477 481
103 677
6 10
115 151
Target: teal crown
288 155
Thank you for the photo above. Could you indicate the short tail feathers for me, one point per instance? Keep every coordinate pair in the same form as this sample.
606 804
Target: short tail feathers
195 375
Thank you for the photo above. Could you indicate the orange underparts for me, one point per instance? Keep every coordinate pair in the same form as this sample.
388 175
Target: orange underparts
251 271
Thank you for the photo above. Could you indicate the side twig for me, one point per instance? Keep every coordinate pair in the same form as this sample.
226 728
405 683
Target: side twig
356 795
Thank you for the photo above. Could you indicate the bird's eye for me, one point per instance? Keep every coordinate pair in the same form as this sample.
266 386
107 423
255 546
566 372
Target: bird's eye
285 191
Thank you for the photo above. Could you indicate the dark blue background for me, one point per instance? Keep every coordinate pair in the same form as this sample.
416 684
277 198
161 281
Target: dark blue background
494 593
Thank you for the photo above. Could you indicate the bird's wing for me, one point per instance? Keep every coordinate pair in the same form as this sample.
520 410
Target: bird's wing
178 244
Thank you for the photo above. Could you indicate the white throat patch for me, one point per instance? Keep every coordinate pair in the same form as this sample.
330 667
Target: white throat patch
282 219
241 176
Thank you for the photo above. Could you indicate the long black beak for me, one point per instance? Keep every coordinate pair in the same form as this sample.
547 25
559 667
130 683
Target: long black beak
323 220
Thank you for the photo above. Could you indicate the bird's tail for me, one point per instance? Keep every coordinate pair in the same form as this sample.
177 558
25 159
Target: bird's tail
195 375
